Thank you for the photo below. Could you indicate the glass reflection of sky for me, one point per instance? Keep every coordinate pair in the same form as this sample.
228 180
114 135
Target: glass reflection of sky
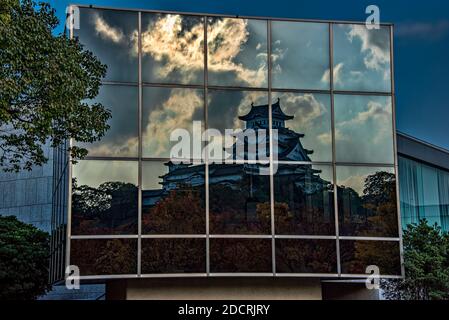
363 129
361 58
95 172
112 37
224 108
237 52
354 177
122 137
172 49
300 54
151 173
167 109
312 117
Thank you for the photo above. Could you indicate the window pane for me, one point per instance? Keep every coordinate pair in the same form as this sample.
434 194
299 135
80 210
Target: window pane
228 110
357 255
121 140
172 48
363 129
173 255
304 200
240 255
237 52
367 202
306 256
166 110
239 200
361 58
424 193
305 134
112 36
300 55
104 197
105 256
173 197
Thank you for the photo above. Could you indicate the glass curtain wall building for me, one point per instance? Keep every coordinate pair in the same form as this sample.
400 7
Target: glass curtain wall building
322 91
424 182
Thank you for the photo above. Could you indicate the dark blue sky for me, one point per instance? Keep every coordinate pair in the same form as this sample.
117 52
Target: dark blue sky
421 46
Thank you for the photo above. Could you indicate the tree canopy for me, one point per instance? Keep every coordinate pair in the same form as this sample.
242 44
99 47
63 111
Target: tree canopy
46 82
426 260
24 260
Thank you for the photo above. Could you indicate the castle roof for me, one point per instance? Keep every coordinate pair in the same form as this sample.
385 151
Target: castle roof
261 111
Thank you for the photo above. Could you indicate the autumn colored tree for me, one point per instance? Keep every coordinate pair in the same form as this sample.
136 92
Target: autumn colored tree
181 211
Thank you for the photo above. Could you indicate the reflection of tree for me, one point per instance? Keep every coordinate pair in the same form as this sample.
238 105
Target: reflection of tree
305 256
109 209
182 211
372 214
301 212
379 211
379 196
241 207
111 256
240 255
173 255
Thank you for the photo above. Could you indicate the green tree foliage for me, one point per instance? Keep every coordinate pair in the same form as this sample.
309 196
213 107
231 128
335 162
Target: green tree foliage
24 253
426 258
45 81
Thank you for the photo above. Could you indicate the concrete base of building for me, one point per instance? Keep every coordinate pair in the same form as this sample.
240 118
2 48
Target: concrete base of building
233 289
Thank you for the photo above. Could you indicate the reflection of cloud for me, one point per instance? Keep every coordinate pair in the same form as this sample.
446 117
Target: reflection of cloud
225 38
174 113
326 138
375 46
337 74
425 30
356 182
114 148
306 108
375 114
168 40
106 31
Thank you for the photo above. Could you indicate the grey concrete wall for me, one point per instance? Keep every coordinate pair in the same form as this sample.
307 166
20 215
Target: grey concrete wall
28 194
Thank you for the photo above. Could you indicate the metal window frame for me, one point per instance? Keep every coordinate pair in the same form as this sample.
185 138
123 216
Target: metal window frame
140 84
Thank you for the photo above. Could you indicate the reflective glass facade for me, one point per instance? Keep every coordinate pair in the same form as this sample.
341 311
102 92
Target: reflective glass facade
315 197
424 193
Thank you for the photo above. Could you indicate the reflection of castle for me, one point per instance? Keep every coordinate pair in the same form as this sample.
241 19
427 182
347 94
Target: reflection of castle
287 147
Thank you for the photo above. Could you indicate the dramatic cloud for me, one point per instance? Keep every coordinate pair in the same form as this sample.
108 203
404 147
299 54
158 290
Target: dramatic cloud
364 130
375 46
106 31
166 41
165 116
306 109
180 47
